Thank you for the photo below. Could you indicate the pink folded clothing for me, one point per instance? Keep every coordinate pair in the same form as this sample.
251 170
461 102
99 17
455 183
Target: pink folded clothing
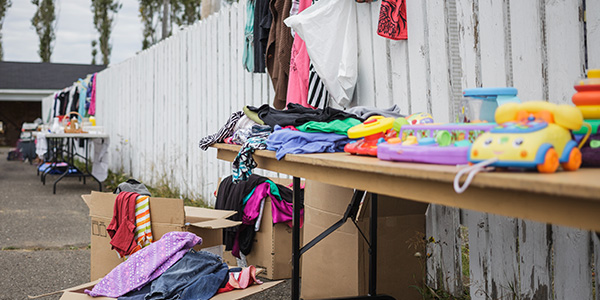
240 280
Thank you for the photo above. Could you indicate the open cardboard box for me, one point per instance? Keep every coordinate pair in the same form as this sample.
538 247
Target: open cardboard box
77 293
166 215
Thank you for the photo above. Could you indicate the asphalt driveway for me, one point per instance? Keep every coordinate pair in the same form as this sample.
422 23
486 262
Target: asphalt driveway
45 237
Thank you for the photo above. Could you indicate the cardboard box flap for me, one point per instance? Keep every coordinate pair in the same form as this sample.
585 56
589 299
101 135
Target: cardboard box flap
162 210
200 214
87 199
216 224
166 210
101 204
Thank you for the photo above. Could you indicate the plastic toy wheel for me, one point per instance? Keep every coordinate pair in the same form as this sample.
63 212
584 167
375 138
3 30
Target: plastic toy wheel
550 163
574 160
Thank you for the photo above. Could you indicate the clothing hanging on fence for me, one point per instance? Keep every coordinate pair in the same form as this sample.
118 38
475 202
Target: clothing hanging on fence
262 25
329 31
392 20
63 98
279 47
92 109
248 55
75 98
318 96
299 68
72 94
82 86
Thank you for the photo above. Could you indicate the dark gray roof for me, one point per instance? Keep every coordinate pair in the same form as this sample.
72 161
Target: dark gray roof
42 76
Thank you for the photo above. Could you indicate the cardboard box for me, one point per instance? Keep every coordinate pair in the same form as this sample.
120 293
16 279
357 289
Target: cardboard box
166 215
272 248
77 293
338 265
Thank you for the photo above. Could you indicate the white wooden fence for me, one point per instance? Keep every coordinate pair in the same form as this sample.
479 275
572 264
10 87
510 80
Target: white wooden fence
157 105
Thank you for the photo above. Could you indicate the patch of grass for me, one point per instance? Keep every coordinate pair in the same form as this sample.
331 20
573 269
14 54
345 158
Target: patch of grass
114 179
163 189
429 293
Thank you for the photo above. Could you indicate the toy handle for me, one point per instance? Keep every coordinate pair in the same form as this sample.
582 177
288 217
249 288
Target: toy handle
587 134
564 115
474 169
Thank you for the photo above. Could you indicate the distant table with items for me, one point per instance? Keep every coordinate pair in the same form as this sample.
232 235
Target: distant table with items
562 198
61 151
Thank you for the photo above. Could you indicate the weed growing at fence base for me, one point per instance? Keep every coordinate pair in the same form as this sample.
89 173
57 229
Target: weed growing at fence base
421 244
163 189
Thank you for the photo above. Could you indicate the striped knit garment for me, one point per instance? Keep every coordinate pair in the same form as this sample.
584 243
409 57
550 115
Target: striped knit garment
225 131
318 96
143 227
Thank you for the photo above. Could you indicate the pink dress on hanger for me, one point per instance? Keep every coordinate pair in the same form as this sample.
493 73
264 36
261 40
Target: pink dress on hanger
299 68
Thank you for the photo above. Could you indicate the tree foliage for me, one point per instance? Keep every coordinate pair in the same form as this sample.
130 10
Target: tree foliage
4 5
181 13
150 13
104 14
44 22
94 51
185 12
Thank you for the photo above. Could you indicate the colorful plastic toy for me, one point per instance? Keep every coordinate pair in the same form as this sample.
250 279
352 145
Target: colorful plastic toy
420 118
446 144
534 135
595 124
482 102
372 131
587 99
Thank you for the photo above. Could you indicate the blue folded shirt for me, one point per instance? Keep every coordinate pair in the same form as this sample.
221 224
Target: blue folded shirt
285 141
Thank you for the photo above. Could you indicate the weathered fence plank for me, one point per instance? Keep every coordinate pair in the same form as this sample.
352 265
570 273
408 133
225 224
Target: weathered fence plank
592 18
502 249
526 46
418 55
535 259
564 39
479 259
493 43
443 233
365 88
572 263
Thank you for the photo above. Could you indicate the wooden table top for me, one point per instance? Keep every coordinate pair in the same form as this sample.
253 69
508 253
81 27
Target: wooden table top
567 198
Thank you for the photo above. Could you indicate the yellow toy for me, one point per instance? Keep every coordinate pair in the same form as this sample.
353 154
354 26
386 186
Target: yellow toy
531 135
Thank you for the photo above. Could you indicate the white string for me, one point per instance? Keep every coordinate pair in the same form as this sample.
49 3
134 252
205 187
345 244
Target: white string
474 169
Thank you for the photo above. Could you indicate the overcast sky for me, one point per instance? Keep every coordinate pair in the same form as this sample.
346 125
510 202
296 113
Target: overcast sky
74 33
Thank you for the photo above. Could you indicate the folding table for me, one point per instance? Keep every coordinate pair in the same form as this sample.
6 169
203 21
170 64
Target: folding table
563 198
